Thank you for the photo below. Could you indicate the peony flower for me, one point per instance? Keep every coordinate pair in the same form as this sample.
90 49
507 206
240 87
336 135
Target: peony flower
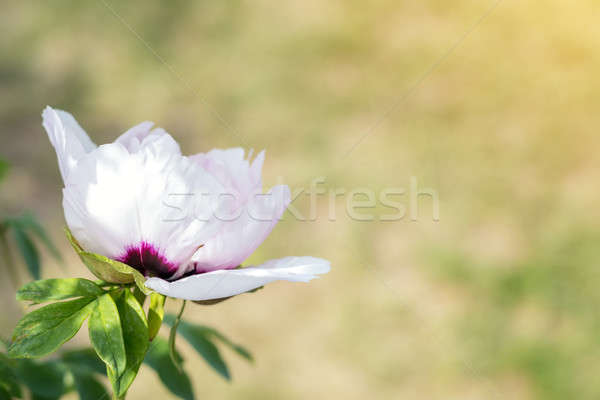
185 223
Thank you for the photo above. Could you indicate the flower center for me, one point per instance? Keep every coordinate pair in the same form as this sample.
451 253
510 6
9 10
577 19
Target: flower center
147 259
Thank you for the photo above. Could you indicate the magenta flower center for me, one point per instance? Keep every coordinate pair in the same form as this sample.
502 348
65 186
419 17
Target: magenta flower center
147 259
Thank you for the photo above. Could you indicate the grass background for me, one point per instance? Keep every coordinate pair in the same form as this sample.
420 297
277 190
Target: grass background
497 300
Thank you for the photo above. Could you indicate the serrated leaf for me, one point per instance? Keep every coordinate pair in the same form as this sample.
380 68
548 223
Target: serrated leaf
106 269
43 379
28 251
106 336
88 387
212 333
135 337
159 360
83 360
58 289
44 330
156 313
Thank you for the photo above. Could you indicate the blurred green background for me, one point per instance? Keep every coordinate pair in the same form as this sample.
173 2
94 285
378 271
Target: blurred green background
497 300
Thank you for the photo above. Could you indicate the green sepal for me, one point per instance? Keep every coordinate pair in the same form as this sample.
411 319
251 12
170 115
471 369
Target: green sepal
108 270
156 312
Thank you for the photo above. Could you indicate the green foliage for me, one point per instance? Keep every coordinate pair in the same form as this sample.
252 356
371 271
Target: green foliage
202 339
43 379
23 228
8 378
106 336
88 387
28 222
28 251
212 333
159 359
156 313
83 360
44 330
52 379
58 289
119 332
106 269
135 337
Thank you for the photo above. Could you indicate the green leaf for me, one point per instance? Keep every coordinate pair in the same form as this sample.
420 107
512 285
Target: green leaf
201 342
106 336
139 296
28 222
83 360
240 350
8 378
156 313
35 396
88 387
43 379
4 394
158 359
28 251
211 333
108 270
135 336
172 336
44 330
58 289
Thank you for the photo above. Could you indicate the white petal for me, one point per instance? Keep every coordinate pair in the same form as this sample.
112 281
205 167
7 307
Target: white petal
69 140
132 138
242 235
225 283
116 200
235 173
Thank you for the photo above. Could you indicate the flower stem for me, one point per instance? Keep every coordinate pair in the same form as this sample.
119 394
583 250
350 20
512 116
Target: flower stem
172 353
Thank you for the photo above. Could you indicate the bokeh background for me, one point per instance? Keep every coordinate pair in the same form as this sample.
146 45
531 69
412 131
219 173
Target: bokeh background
498 299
